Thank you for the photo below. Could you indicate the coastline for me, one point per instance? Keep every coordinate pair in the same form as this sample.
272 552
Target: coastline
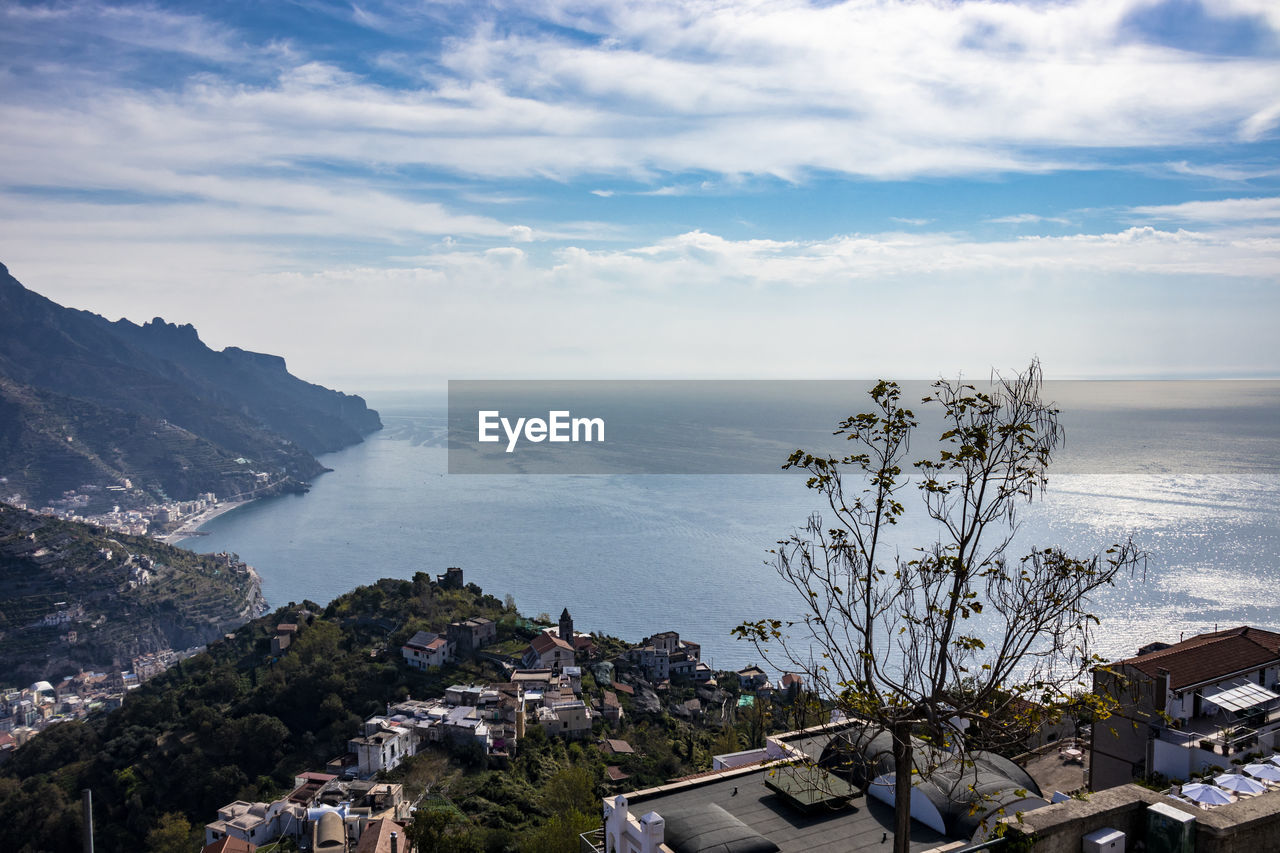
190 525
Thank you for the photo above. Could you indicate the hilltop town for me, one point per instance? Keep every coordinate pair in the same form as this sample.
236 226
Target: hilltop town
426 714
456 694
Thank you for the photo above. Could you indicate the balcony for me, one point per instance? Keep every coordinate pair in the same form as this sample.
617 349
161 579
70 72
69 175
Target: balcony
591 842
1244 718
1228 738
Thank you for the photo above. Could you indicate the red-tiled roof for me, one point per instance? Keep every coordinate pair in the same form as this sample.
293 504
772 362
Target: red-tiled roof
377 837
618 747
624 688
615 774
544 643
1208 657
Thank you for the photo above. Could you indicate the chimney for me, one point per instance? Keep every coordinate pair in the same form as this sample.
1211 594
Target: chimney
652 833
1162 682
395 843
1161 698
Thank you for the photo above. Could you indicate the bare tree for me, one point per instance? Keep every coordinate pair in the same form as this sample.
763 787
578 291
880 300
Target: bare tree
956 630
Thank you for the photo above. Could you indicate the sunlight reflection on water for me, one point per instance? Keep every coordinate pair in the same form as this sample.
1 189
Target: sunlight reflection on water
631 555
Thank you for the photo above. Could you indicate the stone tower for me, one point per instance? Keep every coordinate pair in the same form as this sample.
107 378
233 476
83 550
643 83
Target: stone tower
566 626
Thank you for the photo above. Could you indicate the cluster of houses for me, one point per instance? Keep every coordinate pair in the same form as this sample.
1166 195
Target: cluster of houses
488 720
74 506
1206 706
664 656
542 687
26 711
323 813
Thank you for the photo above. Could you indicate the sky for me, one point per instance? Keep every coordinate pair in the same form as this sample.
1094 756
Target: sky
392 194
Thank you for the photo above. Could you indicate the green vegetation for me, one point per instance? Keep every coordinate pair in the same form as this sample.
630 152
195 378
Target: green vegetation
977 630
47 566
239 723
234 723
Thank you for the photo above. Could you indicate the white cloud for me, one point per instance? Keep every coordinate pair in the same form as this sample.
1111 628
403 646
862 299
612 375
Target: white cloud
288 182
1223 210
774 88
700 303
142 26
667 191
1260 123
1027 218
1223 171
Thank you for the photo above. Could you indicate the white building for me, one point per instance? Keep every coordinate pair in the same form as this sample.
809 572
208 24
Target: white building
547 651
257 823
426 650
382 747
1183 708
569 718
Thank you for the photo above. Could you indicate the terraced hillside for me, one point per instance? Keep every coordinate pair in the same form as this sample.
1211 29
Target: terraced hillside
74 596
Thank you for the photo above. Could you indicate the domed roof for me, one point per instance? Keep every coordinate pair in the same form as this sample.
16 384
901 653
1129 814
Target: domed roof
331 833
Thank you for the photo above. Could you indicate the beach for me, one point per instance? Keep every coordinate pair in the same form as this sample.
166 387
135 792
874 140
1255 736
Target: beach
193 523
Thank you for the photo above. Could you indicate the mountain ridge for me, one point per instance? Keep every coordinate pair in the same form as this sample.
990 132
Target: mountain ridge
218 418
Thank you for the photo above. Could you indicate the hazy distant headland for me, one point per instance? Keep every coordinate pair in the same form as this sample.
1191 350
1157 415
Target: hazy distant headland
119 414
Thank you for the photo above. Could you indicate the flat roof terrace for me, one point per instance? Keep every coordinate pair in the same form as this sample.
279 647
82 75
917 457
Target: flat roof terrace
863 825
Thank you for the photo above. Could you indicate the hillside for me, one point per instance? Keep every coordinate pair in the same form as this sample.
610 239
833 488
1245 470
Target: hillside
241 721
87 401
77 597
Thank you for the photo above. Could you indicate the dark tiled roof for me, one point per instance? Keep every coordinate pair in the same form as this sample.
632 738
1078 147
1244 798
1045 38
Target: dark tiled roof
864 826
1208 657
422 640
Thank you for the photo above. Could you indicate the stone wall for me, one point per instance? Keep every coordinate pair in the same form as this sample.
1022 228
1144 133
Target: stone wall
1250 825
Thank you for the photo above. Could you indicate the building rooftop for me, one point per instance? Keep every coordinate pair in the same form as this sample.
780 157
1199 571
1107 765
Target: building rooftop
422 640
618 747
377 837
544 643
866 825
1210 657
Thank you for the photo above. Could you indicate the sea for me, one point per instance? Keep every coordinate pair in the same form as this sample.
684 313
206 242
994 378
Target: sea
1189 470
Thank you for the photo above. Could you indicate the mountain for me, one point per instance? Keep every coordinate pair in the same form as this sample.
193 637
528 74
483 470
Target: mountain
74 596
84 400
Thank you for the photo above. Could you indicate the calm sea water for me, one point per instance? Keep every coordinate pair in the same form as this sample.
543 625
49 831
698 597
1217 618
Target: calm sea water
1196 485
